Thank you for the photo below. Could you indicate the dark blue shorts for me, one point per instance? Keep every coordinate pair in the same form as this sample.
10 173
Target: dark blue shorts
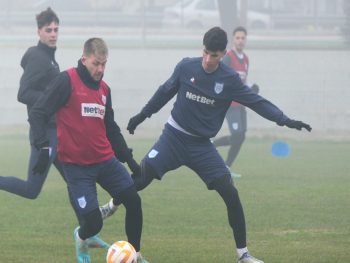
175 148
111 175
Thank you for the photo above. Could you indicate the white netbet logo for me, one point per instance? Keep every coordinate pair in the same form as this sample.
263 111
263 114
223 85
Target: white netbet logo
199 98
93 110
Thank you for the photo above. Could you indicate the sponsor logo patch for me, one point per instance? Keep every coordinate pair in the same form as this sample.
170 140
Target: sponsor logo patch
199 98
93 110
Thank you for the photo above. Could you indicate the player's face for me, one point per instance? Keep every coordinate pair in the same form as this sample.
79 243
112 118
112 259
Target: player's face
239 41
48 34
211 59
95 64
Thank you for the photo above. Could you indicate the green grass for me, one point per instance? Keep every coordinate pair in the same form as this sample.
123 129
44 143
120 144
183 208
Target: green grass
297 210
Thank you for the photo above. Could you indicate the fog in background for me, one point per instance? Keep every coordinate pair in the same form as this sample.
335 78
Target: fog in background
298 50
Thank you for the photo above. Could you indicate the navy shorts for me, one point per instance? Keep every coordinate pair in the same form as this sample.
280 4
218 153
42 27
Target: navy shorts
111 175
237 119
175 148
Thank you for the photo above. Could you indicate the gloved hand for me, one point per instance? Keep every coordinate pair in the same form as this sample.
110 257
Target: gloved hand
134 167
123 158
255 88
293 124
135 121
43 160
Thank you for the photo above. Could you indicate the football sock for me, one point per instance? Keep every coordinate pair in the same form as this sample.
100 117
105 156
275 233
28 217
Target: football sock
241 251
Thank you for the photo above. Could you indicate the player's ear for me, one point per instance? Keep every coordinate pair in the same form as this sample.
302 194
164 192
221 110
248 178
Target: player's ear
83 59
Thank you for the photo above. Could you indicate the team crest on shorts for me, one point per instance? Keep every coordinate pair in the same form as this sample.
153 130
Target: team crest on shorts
153 153
218 87
82 202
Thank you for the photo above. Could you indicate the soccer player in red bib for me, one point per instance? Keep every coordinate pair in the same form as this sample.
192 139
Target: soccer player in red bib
236 115
89 143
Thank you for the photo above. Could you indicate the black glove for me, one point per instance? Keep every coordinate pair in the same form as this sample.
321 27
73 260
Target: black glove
134 167
293 124
43 161
255 88
134 121
123 157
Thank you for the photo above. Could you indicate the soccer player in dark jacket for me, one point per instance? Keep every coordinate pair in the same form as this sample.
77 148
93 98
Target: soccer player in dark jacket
204 88
39 68
89 140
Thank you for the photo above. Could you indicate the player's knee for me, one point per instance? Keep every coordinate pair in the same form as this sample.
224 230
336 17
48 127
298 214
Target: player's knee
148 173
223 185
92 224
32 192
131 200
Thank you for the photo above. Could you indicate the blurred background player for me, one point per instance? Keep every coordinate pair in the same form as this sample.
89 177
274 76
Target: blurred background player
39 68
89 140
236 115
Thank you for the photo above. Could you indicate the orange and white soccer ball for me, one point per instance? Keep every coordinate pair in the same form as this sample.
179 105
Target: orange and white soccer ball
121 252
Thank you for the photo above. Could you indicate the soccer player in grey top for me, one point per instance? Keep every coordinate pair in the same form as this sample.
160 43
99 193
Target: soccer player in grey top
204 89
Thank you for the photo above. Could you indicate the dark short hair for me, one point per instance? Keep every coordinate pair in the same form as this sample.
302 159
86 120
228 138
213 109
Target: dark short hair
46 17
240 29
215 39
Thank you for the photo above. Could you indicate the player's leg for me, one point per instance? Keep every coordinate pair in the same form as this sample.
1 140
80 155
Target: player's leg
81 182
31 187
166 154
236 140
225 140
115 179
230 195
142 181
237 120
148 173
209 165
222 141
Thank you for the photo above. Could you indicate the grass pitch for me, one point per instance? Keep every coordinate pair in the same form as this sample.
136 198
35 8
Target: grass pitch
297 210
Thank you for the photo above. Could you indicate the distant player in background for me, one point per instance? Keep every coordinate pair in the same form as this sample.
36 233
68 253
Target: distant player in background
89 140
39 68
204 88
236 115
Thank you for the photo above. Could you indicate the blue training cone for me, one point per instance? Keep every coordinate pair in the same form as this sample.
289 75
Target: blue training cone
280 149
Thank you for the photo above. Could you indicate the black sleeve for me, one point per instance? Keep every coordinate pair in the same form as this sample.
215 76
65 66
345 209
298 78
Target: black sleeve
53 98
164 93
120 148
33 72
247 97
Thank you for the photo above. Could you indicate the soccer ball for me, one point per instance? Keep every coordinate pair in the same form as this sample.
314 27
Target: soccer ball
121 252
